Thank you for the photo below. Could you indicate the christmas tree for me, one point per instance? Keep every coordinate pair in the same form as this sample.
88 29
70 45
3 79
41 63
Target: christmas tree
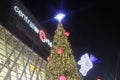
61 62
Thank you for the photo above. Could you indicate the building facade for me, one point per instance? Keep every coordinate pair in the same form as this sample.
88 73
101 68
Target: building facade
24 44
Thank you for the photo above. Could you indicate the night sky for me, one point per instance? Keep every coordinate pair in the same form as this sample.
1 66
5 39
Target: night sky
93 27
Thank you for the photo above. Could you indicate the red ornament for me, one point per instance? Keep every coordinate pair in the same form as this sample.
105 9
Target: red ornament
98 79
60 51
48 58
67 34
62 77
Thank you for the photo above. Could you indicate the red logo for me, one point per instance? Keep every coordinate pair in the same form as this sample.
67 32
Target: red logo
42 36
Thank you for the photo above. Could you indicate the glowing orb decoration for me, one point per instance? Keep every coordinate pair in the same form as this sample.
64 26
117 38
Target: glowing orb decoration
62 77
48 58
60 51
67 34
59 17
85 63
98 79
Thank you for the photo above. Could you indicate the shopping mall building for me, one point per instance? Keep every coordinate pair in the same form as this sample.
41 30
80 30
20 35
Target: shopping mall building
24 43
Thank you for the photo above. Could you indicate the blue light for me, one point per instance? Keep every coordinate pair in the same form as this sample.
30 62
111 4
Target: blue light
59 17
93 58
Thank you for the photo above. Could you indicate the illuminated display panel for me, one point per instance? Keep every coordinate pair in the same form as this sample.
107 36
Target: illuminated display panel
85 64
17 61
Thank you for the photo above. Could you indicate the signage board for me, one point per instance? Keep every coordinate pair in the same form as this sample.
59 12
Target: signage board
31 24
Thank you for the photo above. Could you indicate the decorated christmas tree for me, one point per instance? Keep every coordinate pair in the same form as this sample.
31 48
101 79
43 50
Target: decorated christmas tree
61 62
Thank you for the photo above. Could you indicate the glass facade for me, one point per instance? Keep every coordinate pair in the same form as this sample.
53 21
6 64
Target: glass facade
17 60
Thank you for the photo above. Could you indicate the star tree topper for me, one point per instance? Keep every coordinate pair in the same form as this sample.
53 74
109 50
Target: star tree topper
59 17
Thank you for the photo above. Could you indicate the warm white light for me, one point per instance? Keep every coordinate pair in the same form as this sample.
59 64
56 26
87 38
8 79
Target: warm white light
59 17
85 63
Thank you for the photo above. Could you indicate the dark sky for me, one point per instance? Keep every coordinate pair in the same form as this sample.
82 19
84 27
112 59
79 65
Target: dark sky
93 27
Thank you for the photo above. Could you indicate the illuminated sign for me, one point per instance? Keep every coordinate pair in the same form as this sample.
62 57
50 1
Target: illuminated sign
85 63
43 38
32 25
26 19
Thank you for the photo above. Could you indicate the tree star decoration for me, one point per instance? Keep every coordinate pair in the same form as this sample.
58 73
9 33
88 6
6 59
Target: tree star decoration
59 17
